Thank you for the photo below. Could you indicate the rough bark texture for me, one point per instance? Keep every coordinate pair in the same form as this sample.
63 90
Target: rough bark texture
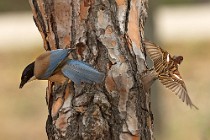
108 34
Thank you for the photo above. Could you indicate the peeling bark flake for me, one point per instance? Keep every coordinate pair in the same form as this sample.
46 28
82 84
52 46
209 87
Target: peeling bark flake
121 13
121 82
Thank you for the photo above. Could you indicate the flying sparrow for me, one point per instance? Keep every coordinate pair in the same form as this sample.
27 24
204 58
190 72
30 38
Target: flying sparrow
166 68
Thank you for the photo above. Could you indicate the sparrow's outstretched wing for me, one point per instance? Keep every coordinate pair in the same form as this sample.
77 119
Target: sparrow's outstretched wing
81 72
158 56
168 73
154 52
175 83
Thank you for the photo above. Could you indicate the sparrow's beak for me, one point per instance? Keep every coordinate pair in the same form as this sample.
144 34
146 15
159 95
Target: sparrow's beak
178 59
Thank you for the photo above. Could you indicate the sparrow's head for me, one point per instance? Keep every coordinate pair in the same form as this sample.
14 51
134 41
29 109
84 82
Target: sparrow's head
178 59
27 75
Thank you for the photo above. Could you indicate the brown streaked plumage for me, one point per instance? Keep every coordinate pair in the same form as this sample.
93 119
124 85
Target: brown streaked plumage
168 73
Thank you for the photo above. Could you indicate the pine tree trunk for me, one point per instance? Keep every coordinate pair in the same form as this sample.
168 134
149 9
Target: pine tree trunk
107 34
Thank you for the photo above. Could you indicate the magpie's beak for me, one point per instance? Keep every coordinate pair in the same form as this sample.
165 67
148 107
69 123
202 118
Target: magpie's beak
22 83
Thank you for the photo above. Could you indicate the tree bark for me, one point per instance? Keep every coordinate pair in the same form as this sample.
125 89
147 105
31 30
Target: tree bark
108 34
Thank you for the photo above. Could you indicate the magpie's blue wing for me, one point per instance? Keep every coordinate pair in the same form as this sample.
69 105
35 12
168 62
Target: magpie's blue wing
52 59
81 72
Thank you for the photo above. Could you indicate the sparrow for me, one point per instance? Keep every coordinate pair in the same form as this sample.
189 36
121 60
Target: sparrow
166 67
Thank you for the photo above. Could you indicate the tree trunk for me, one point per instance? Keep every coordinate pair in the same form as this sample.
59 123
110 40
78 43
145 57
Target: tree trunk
108 34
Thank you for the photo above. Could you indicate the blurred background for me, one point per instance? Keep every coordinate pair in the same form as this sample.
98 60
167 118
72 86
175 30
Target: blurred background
180 26
23 112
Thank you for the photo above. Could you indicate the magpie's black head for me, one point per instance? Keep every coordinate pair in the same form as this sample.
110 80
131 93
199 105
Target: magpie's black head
27 74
